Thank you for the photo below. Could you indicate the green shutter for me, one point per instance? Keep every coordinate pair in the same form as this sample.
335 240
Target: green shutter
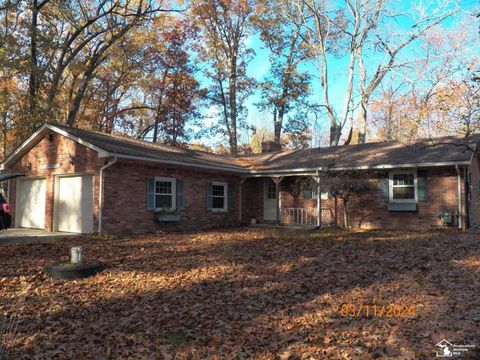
230 197
209 196
383 187
307 194
422 185
180 195
150 193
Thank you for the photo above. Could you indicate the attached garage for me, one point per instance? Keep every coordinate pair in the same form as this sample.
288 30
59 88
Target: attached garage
30 203
74 203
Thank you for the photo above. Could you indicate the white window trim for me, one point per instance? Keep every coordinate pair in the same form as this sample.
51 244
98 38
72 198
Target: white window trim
390 186
324 195
267 184
225 196
174 193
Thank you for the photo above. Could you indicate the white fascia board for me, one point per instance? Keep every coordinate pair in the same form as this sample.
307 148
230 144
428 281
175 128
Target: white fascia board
180 163
277 174
307 171
282 171
39 132
101 152
397 166
23 146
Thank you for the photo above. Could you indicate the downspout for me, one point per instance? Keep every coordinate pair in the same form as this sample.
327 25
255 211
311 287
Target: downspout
459 196
319 199
100 192
467 195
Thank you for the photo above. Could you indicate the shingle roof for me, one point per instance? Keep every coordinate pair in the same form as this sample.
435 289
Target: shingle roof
123 145
446 150
428 151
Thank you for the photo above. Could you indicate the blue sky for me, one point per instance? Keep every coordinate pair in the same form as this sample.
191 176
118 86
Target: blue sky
258 68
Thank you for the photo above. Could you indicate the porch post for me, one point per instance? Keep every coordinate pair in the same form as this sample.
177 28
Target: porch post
319 201
277 181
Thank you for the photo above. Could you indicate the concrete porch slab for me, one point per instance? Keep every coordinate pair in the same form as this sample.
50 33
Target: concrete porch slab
23 235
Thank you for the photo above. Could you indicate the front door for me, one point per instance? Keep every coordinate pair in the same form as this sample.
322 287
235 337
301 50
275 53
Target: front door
269 200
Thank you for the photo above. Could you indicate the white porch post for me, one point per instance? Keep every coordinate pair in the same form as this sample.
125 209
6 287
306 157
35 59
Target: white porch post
319 201
277 181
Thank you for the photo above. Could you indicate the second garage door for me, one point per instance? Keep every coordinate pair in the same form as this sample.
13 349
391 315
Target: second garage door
75 204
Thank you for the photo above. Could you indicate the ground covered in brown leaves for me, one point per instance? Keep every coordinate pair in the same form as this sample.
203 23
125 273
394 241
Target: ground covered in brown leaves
241 294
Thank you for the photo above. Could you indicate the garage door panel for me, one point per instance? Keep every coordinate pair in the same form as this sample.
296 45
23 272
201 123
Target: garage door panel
75 204
30 203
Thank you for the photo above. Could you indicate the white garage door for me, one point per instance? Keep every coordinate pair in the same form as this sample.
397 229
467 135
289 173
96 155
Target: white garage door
30 203
75 204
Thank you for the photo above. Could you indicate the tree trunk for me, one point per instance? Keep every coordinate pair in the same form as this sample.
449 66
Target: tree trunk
233 107
362 117
278 125
345 215
335 133
32 83
74 109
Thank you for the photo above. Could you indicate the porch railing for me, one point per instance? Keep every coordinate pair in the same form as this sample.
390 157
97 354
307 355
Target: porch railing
305 216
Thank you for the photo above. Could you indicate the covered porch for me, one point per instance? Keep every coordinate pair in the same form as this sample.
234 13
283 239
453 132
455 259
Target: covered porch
288 199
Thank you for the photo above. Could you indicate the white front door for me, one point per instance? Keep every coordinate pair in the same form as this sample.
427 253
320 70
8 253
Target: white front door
30 203
75 204
269 200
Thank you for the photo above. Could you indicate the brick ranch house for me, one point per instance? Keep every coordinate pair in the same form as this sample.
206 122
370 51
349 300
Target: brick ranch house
84 181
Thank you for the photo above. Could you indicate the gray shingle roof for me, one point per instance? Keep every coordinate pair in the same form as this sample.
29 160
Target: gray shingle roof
122 145
440 150
381 154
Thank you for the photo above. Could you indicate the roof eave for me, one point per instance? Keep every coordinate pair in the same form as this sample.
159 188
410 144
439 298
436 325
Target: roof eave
307 171
180 163
40 132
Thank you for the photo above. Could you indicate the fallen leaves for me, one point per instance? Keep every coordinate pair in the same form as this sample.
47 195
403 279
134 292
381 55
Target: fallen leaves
241 294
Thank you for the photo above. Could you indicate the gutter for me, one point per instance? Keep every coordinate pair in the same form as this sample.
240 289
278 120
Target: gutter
309 171
181 163
459 196
100 191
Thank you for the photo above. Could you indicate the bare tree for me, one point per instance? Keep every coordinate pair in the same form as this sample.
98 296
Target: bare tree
223 27
353 31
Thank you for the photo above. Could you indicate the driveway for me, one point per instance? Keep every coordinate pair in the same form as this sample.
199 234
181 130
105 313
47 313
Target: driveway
22 235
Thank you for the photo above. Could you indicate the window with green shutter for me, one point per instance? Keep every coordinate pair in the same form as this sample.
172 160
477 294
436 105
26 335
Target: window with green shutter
422 185
180 195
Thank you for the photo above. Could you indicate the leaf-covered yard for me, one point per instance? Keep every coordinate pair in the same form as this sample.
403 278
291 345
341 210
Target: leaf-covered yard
265 294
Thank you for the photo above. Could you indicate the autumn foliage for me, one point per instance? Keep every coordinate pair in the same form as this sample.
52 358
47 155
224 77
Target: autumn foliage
244 294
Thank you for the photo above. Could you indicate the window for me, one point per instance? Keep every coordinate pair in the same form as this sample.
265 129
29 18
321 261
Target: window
323 195
219 196
271 190
165 193
403 186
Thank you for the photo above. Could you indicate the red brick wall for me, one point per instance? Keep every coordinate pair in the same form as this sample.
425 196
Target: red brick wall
370 211
56 151
252 200
125 193
125 207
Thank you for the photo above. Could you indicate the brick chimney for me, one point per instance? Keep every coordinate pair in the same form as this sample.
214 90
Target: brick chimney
270 146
